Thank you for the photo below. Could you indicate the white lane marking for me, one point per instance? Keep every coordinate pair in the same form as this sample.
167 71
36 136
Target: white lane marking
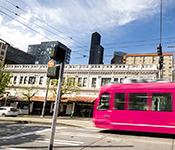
29 133
81 134
144 125
10 148
64 142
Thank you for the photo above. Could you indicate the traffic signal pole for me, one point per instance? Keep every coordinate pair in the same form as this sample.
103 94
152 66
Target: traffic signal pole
45 100
56 107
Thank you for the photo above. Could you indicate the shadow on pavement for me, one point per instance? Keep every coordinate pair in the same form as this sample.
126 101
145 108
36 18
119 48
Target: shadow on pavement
15 134
135 133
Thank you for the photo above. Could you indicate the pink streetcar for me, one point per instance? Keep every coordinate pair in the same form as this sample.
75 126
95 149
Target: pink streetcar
145 107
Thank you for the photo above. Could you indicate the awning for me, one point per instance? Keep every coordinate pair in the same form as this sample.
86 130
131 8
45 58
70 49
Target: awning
41 99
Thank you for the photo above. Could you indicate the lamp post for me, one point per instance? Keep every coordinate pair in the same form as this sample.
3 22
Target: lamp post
173 61
6 98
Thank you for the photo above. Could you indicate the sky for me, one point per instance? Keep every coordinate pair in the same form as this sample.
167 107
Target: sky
130 26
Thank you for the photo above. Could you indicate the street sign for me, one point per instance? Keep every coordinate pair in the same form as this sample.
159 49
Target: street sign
51 63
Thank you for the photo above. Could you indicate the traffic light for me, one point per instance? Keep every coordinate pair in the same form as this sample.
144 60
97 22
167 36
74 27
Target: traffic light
53 72
159 50
57 53
160 59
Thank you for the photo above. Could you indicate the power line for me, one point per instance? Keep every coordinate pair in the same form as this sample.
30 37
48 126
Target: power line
31 28
45 23
24 25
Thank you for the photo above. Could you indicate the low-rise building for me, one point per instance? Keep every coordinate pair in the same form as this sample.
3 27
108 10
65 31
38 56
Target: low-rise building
90 77
167 70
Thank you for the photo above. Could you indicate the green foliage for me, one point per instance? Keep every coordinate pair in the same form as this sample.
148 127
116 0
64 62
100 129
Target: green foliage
4 79
69 86
28 93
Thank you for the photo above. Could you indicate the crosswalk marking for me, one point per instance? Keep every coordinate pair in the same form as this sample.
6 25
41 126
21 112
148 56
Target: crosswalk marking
10 148
64 142
28 133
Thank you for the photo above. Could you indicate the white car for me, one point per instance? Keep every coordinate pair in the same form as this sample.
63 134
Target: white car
8 111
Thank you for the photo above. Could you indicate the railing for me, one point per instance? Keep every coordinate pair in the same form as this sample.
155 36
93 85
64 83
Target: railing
90 67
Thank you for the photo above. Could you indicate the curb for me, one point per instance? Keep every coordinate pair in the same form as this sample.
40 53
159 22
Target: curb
38 123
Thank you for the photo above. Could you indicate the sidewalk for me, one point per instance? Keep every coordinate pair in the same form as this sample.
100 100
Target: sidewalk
47 120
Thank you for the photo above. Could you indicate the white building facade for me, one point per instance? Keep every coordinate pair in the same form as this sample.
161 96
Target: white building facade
91 77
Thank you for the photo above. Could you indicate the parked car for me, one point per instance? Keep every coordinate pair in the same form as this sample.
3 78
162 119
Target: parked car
8 111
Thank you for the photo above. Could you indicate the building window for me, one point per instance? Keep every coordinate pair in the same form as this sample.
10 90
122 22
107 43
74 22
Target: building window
2 53
94 82
85 82
121 80
25 80
21 78
80 81
138 101
105 81
14 81
41 80
119 102
31 80
161 101
116 80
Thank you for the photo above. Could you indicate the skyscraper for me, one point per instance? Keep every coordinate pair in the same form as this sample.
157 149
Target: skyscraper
96 50
42 52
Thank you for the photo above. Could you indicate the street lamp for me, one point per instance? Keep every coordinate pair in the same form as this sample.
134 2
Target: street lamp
6 98
173 61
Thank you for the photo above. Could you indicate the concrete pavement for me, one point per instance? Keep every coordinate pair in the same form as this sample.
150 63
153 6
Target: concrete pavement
61 121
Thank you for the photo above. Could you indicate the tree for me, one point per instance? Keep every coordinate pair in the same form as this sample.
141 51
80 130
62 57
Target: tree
28 93
4 79
69 86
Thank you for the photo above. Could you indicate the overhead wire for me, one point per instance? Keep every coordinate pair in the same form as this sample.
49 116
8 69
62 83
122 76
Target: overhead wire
24 25
84 56
30 27
45 23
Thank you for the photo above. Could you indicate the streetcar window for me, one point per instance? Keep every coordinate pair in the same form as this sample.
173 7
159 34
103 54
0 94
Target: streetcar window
104 101
161 101
138 101
119 102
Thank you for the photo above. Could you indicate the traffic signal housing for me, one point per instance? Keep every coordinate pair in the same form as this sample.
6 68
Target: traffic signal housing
58 53
53 72
159 50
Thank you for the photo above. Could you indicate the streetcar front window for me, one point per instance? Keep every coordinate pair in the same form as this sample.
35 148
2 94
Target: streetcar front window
104 101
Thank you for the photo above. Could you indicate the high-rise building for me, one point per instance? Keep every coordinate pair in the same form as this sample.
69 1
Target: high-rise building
118 57
96 50
42 52
12 55
167 70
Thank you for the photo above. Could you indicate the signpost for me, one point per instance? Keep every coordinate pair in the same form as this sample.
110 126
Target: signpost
58 54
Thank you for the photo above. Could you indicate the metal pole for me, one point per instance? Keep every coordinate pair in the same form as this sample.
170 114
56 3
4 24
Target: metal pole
5 100
56 107
45 100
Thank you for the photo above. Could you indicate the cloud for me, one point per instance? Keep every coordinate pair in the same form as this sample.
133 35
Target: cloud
75 18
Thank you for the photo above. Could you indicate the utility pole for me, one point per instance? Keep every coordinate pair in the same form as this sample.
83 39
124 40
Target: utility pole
159 48
173 62
45 100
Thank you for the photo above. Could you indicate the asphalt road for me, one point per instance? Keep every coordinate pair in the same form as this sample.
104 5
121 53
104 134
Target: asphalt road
36 137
